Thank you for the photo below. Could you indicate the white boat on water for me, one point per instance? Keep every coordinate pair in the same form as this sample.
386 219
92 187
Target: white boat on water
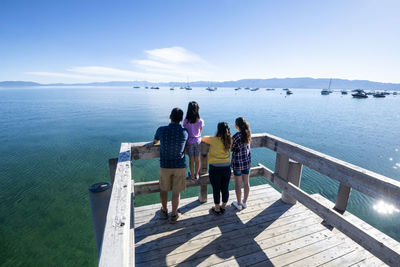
327 91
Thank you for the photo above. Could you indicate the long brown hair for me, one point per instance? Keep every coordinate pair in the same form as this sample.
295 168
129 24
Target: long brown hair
192 114
244 128
225 134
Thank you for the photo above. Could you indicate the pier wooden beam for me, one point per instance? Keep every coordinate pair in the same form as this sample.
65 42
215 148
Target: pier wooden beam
154 186
116 249
360 179
147 150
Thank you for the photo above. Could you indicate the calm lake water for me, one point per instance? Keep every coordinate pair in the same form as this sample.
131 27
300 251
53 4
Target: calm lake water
56 142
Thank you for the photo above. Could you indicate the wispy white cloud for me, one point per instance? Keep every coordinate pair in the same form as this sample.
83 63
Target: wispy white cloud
103 71
159 65
176 62
175 54
59 74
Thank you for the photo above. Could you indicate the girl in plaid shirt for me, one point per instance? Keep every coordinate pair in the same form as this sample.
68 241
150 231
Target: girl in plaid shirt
241 161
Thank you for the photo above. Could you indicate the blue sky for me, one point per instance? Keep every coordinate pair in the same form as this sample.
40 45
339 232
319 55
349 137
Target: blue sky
86 41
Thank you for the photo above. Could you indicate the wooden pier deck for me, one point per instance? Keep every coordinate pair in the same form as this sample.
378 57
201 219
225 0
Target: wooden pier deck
276 229
267 233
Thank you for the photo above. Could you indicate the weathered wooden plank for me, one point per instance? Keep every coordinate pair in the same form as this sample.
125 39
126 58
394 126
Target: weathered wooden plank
328 255
202 220
264 251
370 262
308 250
225 224
365 181
343 224
115 250
241 245
146 150
222 236
255 190
258 200
154 186
273 219
350 258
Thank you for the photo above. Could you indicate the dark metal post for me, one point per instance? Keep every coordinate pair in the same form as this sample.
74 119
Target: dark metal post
99 195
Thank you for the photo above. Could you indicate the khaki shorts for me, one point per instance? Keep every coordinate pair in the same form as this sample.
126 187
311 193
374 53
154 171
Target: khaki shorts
172 179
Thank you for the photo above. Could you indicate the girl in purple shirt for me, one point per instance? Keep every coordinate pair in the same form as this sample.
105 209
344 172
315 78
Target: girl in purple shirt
194 124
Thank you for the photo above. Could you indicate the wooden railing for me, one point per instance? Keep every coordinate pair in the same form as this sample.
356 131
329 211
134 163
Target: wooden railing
118 242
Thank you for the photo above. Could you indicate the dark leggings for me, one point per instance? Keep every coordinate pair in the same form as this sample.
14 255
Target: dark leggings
219 178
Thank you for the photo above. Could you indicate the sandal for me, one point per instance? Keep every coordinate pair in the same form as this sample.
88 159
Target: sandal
215 211
163 214
222 210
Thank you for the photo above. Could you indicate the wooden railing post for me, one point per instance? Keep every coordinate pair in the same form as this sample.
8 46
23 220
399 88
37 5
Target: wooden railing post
203 170
290 171
282 166
294 177
342 198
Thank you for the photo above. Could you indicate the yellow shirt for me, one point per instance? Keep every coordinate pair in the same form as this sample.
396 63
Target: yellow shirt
217 153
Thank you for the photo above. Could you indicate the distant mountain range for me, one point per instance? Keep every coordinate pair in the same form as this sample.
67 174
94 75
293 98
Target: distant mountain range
262 83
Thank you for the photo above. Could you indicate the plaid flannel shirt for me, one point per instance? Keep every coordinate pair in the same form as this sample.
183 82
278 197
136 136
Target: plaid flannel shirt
241 154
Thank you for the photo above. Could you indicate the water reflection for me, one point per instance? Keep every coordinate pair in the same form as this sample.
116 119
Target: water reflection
385 208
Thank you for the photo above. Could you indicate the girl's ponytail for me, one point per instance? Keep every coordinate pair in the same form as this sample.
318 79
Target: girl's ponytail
244 128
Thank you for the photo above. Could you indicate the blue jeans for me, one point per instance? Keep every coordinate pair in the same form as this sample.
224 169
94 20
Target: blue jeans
239 173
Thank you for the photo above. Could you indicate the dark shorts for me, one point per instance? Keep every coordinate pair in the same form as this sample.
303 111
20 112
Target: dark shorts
193 150
240 172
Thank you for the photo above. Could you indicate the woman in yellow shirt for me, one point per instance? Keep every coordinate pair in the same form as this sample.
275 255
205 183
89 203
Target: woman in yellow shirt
219 165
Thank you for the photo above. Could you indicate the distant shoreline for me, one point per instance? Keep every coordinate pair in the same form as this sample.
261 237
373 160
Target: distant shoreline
301 83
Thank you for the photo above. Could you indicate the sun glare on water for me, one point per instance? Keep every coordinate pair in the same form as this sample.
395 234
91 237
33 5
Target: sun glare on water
385 208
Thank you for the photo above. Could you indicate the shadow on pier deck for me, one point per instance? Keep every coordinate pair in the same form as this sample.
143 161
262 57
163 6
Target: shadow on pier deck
267 233
272 230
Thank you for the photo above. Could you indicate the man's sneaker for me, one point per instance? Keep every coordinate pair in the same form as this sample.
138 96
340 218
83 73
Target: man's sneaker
237 206
189 176
174 218
163 214
244 205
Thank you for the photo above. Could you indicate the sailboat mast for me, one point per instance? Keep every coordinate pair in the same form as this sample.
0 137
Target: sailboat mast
330 81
